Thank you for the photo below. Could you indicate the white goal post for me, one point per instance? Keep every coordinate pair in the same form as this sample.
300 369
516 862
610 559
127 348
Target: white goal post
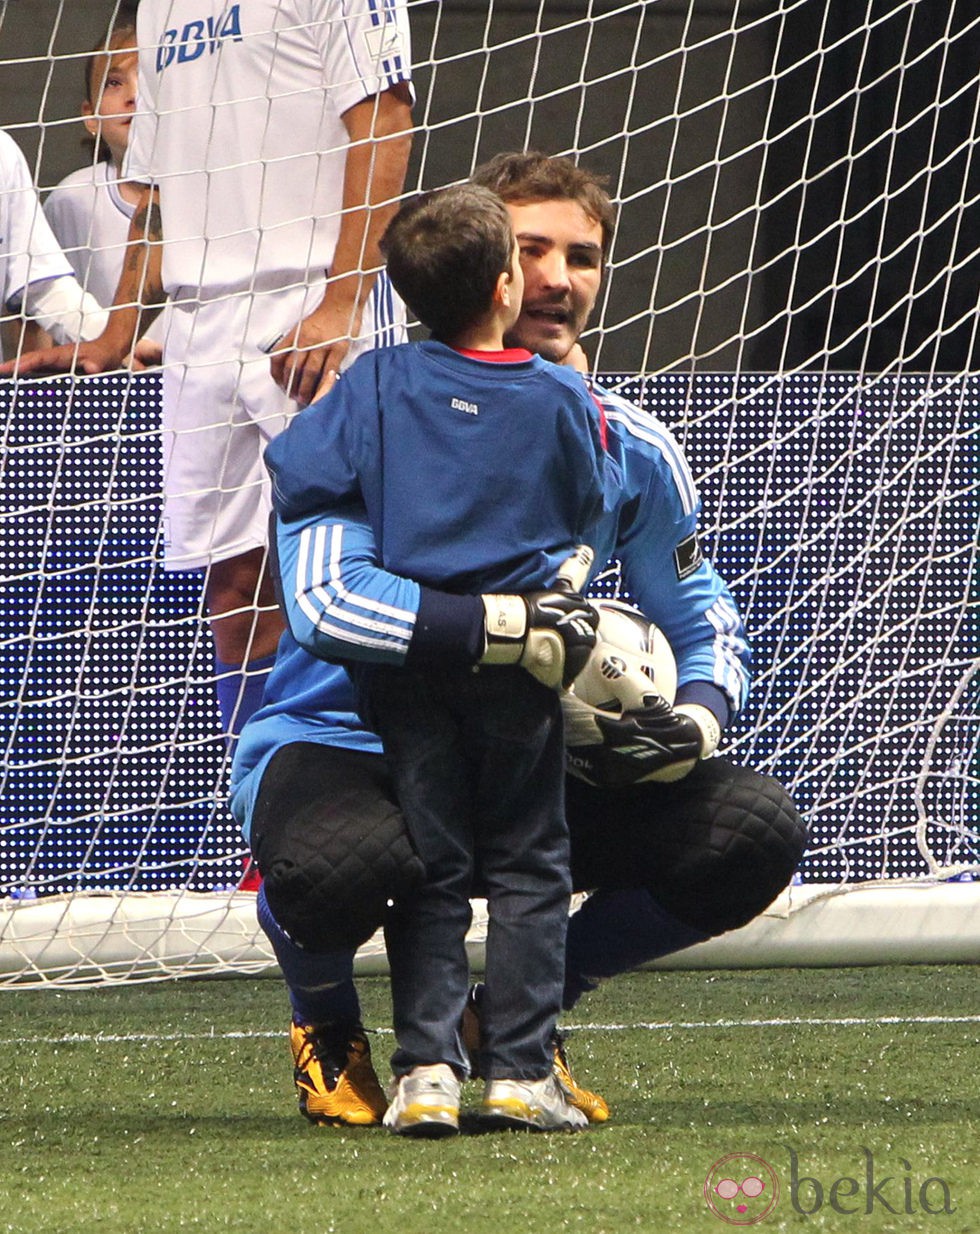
792 290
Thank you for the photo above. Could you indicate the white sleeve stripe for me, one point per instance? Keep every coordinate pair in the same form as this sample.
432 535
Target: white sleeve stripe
343 634
299 590
728 670
649 431
384 311
318 577
322 584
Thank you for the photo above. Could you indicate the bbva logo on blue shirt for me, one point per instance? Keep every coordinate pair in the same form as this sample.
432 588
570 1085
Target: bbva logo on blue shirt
198 36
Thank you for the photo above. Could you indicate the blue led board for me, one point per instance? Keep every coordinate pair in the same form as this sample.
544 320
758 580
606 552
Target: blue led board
842 512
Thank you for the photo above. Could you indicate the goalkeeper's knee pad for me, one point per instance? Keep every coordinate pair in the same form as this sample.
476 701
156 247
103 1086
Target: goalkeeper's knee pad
736 839
332 850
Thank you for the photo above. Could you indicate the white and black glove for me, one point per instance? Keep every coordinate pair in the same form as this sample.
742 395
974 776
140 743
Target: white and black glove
550 633
653 742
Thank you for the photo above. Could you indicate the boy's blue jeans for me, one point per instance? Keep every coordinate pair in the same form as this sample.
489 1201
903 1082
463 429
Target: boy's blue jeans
478 764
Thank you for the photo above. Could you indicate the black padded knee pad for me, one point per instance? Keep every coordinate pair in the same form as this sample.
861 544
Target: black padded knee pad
331 845
732 840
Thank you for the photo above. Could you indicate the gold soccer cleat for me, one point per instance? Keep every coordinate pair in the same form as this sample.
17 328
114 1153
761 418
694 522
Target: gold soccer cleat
335 1079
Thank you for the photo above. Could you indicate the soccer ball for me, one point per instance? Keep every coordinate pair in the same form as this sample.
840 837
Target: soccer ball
631 659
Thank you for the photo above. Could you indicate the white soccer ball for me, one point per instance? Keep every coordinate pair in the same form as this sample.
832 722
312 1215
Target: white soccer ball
631 658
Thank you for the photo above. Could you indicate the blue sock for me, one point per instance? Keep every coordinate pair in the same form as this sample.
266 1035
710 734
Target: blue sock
616 931
321 987
239 688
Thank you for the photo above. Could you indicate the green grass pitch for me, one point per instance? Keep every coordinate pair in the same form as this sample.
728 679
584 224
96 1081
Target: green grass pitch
170 1107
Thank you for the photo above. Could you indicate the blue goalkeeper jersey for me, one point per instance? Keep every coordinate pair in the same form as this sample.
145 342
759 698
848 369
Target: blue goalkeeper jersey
340 602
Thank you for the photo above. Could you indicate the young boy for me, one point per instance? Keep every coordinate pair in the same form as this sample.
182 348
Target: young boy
91 209
479 467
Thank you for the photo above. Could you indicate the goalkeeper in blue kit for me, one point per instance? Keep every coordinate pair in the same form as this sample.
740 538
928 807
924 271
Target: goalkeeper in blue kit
674 845
479 468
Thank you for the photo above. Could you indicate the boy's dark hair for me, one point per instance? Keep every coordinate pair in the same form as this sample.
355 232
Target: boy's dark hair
117 38
529 175
445 251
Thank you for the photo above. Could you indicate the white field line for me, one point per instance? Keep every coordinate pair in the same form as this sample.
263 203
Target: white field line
659 1026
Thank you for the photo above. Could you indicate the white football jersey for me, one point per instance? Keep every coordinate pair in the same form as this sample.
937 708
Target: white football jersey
91 222
29 253
239 123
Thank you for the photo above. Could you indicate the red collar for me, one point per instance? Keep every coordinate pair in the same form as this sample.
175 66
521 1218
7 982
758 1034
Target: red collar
510 355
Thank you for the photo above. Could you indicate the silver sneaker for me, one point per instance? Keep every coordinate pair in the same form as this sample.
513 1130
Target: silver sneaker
424 1103
530 1105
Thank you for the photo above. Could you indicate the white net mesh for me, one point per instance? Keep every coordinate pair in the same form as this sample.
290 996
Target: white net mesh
792 289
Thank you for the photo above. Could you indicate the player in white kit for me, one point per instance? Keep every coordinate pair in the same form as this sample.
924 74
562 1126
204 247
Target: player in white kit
36 281
275 135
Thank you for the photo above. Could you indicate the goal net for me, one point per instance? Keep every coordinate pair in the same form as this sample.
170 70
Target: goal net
792 289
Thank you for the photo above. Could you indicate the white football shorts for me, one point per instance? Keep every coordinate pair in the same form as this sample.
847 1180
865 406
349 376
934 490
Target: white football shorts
221 407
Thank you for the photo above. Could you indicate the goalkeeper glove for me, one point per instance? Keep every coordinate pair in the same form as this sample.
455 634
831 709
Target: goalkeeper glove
655 742
549 633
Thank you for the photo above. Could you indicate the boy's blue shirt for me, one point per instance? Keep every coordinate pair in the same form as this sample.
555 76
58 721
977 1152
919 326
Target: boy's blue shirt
475 474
